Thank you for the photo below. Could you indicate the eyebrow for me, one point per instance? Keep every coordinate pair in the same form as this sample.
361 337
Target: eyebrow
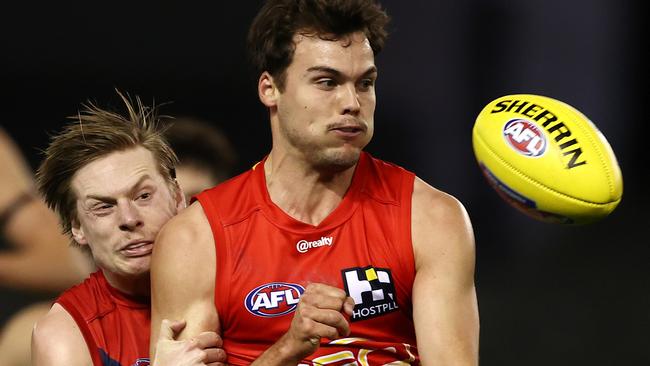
337 73
111 199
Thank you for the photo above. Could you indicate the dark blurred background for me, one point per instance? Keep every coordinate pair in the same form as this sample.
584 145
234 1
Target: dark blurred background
548 295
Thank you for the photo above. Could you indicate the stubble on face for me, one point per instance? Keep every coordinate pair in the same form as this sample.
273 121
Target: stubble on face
322 158
311 113
103 188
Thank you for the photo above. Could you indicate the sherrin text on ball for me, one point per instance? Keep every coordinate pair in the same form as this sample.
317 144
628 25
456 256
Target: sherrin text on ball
547 159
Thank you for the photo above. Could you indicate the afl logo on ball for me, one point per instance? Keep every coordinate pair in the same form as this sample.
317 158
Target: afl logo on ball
525 137
273 299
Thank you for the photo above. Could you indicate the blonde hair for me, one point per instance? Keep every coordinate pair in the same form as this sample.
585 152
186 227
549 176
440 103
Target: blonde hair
90 135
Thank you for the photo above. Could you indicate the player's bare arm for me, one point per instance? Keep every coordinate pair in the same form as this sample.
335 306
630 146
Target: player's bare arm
184 253
182 275
57 341
445 310
198 351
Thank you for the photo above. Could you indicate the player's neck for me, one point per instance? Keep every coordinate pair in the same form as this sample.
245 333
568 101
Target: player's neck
139 286
306 194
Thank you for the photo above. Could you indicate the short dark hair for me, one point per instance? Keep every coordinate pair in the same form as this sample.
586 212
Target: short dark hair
90 135
270 38
201 144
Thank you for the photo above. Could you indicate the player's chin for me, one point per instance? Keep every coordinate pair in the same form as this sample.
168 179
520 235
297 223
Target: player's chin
340 158
139 265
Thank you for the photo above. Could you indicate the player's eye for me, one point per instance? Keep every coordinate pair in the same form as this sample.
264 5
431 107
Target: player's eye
326 83
102 209
366 84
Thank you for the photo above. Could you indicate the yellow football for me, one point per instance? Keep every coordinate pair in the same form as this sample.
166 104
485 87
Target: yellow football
547 159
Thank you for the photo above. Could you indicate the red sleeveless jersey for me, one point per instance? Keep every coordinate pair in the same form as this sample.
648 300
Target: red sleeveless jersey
114 325
265 259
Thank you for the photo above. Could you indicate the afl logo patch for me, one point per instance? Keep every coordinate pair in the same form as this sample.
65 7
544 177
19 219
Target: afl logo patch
273 299
525 137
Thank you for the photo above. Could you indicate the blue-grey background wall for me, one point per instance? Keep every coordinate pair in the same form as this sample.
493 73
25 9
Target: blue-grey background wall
548 295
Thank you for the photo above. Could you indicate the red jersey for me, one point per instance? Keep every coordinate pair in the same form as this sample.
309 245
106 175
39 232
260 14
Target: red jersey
265 259
114 325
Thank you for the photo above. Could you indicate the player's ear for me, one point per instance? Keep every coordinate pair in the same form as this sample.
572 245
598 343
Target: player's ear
179 196
267 90
78 233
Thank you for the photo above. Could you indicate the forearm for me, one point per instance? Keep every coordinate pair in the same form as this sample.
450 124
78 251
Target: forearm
450 336
446 321
279 354
319 314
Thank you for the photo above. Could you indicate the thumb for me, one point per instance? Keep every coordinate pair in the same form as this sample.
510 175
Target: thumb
170 329
348 305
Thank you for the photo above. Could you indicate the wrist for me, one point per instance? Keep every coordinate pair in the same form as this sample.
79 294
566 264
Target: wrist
283 352
287 352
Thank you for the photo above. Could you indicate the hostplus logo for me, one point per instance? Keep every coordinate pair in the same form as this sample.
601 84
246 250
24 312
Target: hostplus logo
372 289
303 246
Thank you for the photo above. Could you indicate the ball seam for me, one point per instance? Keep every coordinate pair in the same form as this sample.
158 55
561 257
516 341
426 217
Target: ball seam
591 135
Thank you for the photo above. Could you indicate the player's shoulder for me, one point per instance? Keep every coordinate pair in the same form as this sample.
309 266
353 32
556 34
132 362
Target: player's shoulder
384 181
56 320
235 198
57 340
384 168
183 241
184 225
230 189
434 203
89 297
440 226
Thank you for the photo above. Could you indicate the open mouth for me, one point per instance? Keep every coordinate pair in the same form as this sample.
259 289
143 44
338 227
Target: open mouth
138 249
